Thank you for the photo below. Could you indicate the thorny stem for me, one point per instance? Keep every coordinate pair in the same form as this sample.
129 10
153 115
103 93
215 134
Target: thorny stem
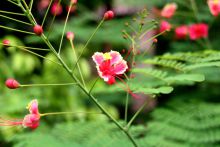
79 69
47 42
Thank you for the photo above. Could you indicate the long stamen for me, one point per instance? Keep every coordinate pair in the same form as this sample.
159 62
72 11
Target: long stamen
127 88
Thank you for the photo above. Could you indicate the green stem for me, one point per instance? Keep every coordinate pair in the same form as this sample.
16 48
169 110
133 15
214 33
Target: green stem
93 85
64 28
13 13
31 4
40 56
13 2
88 41
61 113
51 24
47 42
194 8
154 37
16 30
45 16
148 30
26 47
135 115
79 69
39 85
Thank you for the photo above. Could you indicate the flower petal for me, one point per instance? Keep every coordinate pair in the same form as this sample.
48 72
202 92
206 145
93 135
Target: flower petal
33 107
98 58
121 67
31 121
116 57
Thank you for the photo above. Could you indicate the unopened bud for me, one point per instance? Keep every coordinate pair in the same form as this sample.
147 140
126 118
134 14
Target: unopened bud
109 15
6 42
38 30
70 35
12 83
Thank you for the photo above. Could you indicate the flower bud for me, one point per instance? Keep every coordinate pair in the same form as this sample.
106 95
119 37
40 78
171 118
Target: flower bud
38 30
73 1
6 42
12 83
109 15
70 35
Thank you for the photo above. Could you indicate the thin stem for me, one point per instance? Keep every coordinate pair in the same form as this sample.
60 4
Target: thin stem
77 63
15 20
16 30
13 2
194 8
26 47
31 4
45 16
41 85
93 85
61 113
40 56
64 28
126 103
141 36
135 115
13 13
88 41
47 42
154 37
51 24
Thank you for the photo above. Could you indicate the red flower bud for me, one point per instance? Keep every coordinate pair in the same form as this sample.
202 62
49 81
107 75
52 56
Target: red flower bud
6 42
12 83
38 30
109 15
155 40
70 35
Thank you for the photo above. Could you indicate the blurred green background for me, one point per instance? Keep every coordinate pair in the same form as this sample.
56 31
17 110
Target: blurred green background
188 117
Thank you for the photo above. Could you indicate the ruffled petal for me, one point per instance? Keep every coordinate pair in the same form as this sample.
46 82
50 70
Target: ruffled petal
116 57
98 58
33 107
31 120
121 67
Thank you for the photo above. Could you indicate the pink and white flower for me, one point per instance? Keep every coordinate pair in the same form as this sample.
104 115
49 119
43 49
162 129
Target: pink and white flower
31 120
169 10
109 65
214 7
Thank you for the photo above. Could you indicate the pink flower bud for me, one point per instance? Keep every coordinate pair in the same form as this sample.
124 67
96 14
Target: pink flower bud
12 83
70 35
169 10
73 1
6 42
109 15
181 32
38 30
56 9
165 26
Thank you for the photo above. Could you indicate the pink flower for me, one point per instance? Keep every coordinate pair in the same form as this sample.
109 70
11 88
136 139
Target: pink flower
214 7
181 32
56 8
197 31
70 35
31 120
164 26
109 65
169 10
